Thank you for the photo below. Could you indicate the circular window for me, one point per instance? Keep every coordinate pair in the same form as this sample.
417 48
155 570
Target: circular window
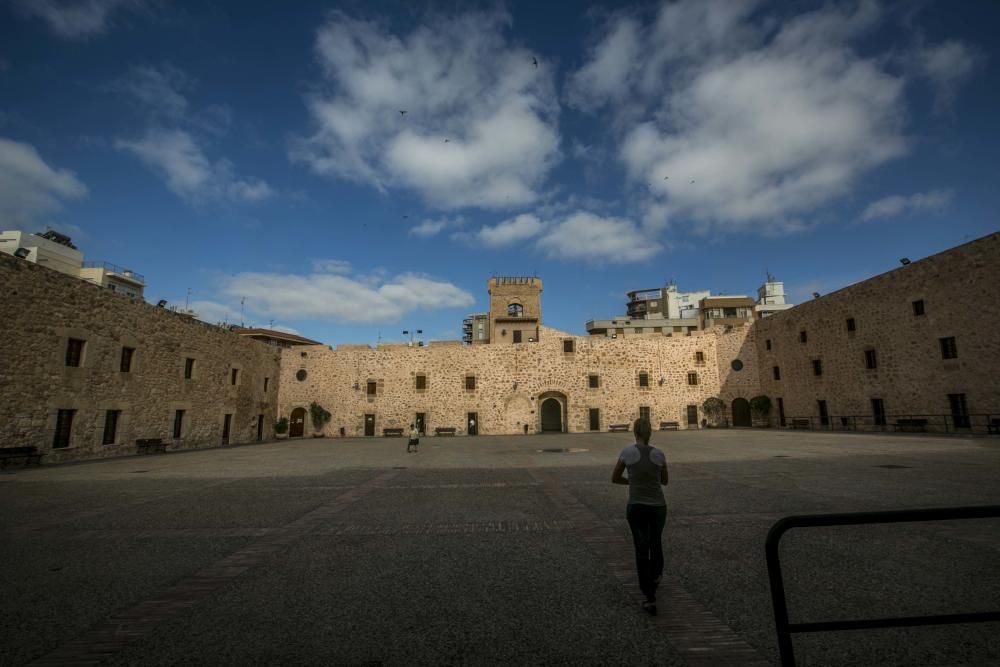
737 365
301 375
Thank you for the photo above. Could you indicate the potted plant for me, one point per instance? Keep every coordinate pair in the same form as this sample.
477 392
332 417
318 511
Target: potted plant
281 428
713 407
320 417
760 410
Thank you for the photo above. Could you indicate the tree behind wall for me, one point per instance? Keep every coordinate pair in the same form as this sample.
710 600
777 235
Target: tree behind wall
319 415
713 408
760 408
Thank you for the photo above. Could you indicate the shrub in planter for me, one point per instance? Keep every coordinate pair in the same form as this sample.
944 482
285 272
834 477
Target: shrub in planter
281 428
320 417
760 409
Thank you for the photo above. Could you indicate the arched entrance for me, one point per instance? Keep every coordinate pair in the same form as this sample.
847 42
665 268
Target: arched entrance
741 412
552 418
297 423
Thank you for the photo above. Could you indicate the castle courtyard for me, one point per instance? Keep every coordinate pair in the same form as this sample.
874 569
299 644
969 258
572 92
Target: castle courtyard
493 550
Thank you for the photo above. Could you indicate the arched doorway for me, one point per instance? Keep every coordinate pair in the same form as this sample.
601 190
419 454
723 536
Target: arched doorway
741 412
552 415
297 423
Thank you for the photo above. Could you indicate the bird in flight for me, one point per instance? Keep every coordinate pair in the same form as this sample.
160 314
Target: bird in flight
402 113
446 141
666 178
405 217
692 181
534 61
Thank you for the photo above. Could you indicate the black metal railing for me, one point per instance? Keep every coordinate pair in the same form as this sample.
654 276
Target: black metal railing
114 268
978 423
785 629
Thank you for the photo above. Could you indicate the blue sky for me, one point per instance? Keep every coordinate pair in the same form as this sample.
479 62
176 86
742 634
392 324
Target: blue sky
256 150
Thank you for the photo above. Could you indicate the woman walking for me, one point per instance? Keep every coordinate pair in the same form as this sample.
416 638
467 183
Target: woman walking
647 508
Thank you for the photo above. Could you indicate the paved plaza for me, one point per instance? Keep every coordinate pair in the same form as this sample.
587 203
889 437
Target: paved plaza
493 550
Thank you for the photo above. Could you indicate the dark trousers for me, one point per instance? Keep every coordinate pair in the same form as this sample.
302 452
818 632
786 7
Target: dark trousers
646 522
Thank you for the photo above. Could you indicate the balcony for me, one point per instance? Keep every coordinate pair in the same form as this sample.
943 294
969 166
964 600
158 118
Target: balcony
117 271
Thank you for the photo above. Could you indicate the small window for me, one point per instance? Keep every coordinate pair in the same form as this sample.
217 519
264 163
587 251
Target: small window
692 378
303 355
515 310
178 423
851 324
64 429
643 379
918 307
372 388
301 374
517 336
470 382
948 348
767 343
188 368
126 362
420 382
802 336
568 345
74 351
736 364
234 376
870 360
699 357
817 367
638 329
266 381
110 426
593 381
777 372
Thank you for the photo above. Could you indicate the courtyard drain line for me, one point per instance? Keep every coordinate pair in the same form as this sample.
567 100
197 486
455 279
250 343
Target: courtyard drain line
566 450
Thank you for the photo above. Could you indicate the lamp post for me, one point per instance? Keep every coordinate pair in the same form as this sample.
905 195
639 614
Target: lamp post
411 332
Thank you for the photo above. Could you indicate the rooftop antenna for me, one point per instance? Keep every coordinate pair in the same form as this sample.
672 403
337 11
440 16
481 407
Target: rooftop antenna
271 325
242 302
187 299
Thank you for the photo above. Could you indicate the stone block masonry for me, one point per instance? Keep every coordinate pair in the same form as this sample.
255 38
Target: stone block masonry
122 378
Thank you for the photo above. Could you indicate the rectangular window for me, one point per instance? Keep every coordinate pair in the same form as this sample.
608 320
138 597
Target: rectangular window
767 343
948 348
64 428
227 422
568 346
420 382
178 423
817 367
517 336
692 378
699 357
851 325
959 410
266 381
918 307
188 368
595 419
638 329
126 365
878 412
372 388
593 381
802 337
110 426
643 412
870 360
234 375
74 351
643 379
777 373
470 382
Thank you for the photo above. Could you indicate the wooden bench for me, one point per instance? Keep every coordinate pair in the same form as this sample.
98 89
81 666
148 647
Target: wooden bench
144 445
800 423
445 430
993 427
618 427
669 426
910 425
29 454
392 432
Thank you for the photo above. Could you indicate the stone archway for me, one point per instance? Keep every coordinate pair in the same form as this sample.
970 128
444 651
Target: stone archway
297 423
741 412
552 412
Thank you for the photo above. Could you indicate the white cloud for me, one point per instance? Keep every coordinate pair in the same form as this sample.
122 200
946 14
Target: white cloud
890 207
158 90
342 298
75 19
509 232
947 66
30 188
331 266
480 123
585 236
213 312
428 228
188 171
729 125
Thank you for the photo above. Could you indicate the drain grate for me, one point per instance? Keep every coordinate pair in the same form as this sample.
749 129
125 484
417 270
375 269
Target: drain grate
892 466
138 471
399 467
781 456
570 450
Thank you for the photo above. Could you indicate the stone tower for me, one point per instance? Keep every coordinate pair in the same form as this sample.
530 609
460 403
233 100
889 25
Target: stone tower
515 309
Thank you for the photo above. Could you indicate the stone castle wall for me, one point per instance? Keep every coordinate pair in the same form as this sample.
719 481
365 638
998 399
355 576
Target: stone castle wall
959 290
511 381
41 309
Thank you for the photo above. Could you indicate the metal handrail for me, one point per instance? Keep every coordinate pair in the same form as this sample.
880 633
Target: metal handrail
977 422
785 629
114 268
